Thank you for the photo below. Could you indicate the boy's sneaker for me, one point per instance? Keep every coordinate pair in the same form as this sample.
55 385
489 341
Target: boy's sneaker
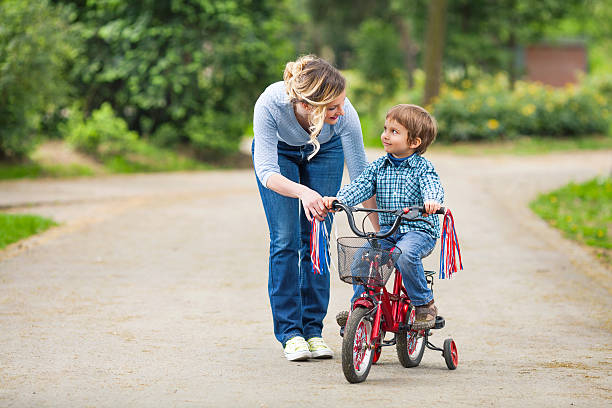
318 348
425 316
296 349
341 319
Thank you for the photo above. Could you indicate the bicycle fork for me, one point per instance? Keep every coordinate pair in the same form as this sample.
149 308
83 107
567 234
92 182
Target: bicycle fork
376 324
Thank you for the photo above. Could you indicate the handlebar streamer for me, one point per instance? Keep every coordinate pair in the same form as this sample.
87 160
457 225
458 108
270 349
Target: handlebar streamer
319 247
450 245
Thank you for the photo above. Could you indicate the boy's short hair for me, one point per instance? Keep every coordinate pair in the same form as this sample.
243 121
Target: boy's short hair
419 123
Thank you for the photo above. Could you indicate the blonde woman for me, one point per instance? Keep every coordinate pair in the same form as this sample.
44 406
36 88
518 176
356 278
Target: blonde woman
304 128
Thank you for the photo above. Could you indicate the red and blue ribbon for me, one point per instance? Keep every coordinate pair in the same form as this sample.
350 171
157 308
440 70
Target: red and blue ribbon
450 246
319 247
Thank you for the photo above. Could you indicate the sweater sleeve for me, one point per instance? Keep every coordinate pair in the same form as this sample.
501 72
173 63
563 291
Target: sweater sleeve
352 141
265 157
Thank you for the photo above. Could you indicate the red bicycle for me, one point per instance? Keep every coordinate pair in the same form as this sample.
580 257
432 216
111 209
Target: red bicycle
368 260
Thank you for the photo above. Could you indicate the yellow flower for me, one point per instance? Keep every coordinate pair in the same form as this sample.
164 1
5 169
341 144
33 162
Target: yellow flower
491 101
532 89
492 124
600 233
528 109
553 199
466 83
457 94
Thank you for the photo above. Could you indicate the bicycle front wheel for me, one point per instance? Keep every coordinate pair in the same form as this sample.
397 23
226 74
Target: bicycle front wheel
357 353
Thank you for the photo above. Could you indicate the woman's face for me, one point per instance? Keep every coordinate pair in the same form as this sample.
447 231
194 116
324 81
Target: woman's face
335 109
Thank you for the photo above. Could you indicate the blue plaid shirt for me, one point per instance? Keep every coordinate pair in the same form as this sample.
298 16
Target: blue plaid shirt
413 182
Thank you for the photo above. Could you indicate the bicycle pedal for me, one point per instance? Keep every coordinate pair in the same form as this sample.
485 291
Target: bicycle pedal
439 322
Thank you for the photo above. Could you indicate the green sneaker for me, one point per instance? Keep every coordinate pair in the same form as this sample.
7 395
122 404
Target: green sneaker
318 348
296 349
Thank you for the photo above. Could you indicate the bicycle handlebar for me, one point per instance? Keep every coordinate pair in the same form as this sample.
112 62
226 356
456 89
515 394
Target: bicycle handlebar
409 213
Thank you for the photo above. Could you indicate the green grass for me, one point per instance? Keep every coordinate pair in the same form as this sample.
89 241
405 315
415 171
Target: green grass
14 227
519 146
527 146
583 212
148 158
36 170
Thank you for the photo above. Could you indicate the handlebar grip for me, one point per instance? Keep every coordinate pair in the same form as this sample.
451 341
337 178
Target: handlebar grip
421 209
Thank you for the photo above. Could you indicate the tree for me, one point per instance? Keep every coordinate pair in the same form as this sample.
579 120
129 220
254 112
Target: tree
434 48
36 44
183 71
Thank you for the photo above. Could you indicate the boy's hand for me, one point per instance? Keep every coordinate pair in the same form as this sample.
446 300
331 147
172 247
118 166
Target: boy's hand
329 201
431 207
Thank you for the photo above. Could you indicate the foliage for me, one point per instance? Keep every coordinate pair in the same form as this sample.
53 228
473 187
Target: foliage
377 41
581 211
590 20
182 71
488 110
36 45
107 138
16 227
103 135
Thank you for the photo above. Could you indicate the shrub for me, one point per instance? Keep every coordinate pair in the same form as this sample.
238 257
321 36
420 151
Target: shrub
103 135
489 110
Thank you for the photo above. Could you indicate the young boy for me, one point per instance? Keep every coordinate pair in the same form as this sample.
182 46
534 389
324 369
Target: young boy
400 179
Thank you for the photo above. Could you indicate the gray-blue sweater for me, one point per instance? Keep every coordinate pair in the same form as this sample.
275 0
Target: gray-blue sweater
274 120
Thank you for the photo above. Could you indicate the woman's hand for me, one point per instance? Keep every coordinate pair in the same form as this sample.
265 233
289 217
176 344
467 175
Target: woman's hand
431 207
313 204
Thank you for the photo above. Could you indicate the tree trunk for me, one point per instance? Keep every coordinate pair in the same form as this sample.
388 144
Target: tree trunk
434 48
409 48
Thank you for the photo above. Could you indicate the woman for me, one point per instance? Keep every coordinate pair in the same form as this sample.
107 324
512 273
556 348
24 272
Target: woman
304 128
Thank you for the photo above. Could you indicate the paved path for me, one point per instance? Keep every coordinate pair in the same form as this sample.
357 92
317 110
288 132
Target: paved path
152 292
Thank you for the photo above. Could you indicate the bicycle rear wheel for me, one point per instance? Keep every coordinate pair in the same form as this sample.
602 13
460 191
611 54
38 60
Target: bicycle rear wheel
410 347
357 353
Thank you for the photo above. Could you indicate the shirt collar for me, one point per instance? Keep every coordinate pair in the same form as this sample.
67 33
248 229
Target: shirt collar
410 162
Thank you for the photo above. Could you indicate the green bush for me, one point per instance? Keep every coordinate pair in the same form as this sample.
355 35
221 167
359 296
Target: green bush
103 135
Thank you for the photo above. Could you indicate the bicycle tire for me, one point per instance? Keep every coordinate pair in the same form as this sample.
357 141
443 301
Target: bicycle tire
357 353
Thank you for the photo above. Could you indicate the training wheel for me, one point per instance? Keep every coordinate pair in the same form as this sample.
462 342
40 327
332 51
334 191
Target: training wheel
450 354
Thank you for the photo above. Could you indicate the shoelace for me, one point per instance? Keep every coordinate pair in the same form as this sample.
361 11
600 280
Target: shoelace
317 342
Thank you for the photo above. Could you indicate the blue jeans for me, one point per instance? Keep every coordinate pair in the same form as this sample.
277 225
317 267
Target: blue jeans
298 297
415 245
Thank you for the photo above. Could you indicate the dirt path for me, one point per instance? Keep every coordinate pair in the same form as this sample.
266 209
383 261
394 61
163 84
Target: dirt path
153 293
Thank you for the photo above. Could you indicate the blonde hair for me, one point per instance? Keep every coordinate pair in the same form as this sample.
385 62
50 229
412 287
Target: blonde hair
418 122
314 81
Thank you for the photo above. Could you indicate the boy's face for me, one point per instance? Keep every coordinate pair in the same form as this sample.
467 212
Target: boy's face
335 109
395 139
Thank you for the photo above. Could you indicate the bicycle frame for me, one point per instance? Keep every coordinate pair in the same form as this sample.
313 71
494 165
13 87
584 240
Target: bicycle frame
391 308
